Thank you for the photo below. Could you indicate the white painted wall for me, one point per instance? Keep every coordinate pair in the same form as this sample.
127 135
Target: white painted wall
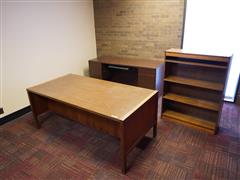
41 40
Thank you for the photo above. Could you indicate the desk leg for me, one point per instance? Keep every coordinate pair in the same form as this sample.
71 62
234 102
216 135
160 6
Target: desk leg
155 130
38 105
123 154
156 118
36 120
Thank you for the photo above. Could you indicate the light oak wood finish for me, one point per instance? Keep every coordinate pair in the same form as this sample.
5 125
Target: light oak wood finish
193 101
138 72
79 91
194 86
123 111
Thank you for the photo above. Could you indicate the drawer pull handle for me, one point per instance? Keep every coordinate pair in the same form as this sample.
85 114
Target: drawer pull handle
118 67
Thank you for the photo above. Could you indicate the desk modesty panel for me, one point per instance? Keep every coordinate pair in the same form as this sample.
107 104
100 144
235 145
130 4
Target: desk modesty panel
123 111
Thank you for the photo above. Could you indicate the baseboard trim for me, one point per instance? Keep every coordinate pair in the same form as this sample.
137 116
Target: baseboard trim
15 115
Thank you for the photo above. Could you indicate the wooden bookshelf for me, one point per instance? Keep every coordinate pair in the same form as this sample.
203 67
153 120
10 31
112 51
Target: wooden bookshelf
193 88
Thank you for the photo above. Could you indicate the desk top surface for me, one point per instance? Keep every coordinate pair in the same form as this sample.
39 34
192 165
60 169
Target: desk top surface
144 63
109 99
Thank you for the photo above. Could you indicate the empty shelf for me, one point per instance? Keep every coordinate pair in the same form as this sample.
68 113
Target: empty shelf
187 119
197 64
193 101
195 83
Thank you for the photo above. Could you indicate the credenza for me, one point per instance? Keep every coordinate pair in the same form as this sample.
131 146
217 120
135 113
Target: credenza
138 72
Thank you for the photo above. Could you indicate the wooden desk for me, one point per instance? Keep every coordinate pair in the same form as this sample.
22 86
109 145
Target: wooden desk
123 111
137 72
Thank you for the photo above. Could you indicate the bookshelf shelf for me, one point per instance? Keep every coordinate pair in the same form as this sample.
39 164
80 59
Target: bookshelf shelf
197 64
193 88
195 83
190 120
193 101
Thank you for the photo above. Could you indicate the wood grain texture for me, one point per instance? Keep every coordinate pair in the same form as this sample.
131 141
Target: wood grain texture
195 83
194 88
198 55
39 105
141 72
193 92
92 102
141 121
1 110
147 78
187 119
145 63
93 95
196 72
193 101
197 64
190 110
97 122
95 71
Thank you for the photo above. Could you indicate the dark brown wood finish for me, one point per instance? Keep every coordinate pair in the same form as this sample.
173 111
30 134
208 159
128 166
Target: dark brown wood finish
96 69
194 87
198 55
130 129
144 63
1 110
237 98
138 72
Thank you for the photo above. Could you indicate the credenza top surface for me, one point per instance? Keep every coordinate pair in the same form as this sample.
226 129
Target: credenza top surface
142 63
109 99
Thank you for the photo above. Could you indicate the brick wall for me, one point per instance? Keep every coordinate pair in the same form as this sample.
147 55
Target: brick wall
138 28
